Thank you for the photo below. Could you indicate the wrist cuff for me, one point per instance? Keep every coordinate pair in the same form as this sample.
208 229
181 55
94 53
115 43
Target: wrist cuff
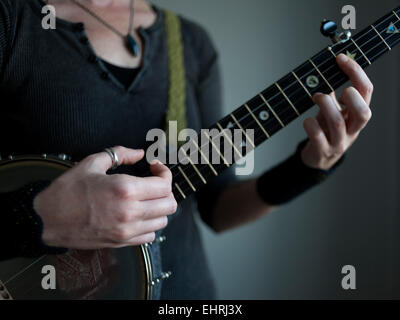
291 178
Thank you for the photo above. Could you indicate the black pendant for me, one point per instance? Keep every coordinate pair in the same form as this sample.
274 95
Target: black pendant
132 45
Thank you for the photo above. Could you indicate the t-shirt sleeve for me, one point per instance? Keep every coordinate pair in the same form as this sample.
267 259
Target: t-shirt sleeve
209 99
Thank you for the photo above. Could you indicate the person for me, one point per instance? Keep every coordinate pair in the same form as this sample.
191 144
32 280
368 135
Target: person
79 89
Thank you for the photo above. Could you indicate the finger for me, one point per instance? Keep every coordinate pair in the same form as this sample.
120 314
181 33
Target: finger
316 135
159 207
333 119
358 110
153 225
142 239
333 96
357 76
135 241
133 188
160 170
129 230
103 162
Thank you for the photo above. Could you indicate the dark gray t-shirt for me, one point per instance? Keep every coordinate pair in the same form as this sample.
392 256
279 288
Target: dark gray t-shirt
58 97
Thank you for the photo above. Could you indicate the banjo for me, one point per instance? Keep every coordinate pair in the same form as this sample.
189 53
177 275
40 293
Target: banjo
96 273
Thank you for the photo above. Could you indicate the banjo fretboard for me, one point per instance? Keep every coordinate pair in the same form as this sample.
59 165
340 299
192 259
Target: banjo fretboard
287 99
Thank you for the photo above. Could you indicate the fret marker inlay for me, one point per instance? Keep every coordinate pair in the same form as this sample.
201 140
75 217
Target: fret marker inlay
258 122
352 56
320 73
392 29
264 115
312 81
272 110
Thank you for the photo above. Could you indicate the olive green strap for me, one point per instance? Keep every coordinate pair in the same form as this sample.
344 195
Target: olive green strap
176 67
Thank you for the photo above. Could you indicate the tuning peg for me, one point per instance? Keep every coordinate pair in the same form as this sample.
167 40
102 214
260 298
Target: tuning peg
329 29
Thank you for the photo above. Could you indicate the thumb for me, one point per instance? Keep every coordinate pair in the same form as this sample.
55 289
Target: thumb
103 162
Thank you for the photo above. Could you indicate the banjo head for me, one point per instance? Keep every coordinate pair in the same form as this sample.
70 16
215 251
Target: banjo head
124 273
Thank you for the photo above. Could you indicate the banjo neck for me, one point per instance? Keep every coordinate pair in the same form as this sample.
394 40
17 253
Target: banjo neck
288 98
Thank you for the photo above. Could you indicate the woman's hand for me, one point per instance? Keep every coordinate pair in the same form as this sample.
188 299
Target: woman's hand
335 129
87 209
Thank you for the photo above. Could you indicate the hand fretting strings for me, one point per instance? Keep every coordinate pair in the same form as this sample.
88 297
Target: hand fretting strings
248 120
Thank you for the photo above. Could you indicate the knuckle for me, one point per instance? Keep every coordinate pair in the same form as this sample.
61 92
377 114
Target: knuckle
122 234
340 149
366 114
338 123
123 216
121 189
370 88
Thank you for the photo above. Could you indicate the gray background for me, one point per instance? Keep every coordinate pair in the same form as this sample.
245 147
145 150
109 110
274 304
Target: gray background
298 251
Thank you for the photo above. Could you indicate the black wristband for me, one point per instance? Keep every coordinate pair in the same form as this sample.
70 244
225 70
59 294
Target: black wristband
290 179
24 227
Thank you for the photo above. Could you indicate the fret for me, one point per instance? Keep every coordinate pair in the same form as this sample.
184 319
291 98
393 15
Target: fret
246 120
396 15
186 178
331 51
244 131
179 179
205 158
257 121
326 62
286 97
311 79
385 29
379 35
194 166
296 91
272 110
216 149
180 190
322 76
230 140
301 83
279 103
362 52
376 41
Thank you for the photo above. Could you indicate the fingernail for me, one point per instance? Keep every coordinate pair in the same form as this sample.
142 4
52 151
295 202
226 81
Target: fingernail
343 58
154 162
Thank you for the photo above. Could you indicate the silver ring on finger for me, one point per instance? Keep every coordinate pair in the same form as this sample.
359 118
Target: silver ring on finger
113 156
